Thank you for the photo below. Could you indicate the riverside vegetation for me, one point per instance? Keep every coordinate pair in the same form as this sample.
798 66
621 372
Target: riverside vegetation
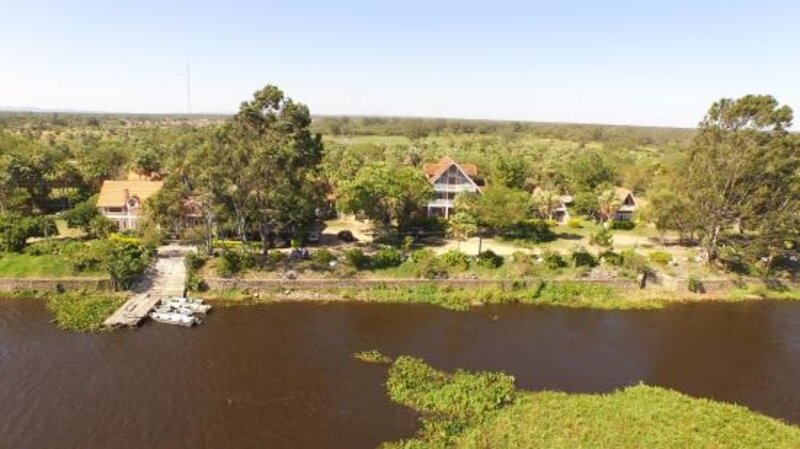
229 174
485 409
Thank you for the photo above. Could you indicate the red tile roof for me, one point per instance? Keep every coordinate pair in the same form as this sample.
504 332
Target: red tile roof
433 171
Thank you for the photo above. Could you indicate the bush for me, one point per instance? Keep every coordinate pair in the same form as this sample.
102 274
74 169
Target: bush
88 257
15 230
522 264
275 257
234 262
45 247
322 257
625 225
125 263
387 258
195 283
552 259
488 259
421 254
455 259
356 259
696 285
194 261
533 230
582 258
611 257
602 238
427 265
660 257
634 261
195 235
575 223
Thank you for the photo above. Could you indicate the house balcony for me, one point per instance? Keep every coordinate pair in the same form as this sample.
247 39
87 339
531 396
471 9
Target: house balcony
627 208
454 188
441 203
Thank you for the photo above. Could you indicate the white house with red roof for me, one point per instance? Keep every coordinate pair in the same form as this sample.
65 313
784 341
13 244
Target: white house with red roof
449 179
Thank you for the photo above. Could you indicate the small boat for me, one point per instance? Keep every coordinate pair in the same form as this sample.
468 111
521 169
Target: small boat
174 318
193 305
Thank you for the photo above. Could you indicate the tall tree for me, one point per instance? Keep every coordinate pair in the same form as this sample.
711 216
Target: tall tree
742 164
264 166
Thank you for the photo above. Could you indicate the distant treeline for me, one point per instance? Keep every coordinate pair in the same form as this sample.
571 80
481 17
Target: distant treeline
412 128
425 127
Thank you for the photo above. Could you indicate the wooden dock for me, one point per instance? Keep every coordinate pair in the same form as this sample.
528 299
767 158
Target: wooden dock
167 278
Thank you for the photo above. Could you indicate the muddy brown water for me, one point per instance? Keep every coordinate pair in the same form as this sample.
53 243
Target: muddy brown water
282 376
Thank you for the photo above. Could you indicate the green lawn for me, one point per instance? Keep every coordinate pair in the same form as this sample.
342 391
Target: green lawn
482 410
46 266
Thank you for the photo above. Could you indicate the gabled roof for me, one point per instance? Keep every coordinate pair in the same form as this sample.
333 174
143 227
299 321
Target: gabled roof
622 193
433 171
112 194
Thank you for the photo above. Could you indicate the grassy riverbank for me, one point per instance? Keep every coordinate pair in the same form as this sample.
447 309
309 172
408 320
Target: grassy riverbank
83 311
485 409
572 294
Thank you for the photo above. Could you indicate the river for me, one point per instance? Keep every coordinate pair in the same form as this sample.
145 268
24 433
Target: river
283 376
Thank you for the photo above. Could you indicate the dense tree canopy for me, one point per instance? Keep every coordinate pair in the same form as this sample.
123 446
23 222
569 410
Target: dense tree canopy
386 194
742 169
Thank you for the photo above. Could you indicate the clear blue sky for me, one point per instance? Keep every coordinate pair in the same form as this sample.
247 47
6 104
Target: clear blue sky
627 62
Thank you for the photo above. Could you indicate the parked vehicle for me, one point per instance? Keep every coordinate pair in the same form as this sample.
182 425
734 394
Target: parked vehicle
346 236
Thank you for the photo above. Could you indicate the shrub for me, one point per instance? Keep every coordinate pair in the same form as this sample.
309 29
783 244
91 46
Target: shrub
533 230
660 257
696 285
88 257
45 247
102 227
195 235
623 224
575 223
125 263
488 259
602 238
195 283
634 261
387 258
356 259
421 254
427 265
582 258
611 257
552 259
15 230
522 264
275 257
230 263
455 259
322 257
194 261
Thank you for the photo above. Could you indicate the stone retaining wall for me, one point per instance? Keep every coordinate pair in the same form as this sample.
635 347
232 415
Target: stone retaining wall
22 284
311 284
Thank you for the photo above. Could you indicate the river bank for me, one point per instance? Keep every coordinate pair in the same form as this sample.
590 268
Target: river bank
462 295
81 304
